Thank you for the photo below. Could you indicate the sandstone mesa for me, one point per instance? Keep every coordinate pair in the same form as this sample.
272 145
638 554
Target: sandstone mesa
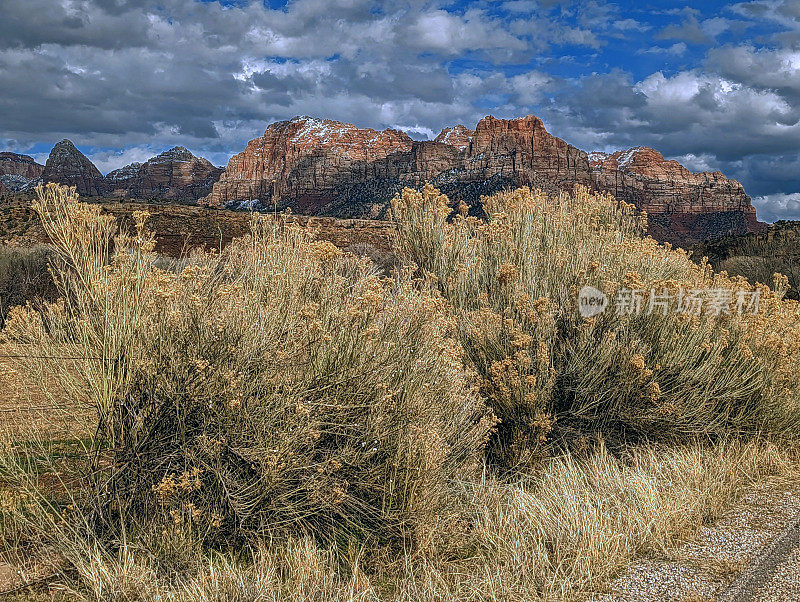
325 167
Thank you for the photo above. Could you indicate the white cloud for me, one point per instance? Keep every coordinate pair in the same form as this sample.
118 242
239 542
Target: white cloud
677 49
415 131
778 206
109 160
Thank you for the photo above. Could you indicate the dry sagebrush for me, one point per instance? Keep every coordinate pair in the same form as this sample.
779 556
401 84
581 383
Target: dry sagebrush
287 397
281 388
513 281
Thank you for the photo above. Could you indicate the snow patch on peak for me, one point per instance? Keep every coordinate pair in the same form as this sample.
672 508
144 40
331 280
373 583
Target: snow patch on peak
17 182
458 136
597 157
628 157
123 173
175 154
322 130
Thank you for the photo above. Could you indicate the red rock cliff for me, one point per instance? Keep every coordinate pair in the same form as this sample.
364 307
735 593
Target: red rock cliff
329 168
300 159
692 206
523 151
20 165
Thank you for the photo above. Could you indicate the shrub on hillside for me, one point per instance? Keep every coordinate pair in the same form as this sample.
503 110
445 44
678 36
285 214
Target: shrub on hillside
25 277
762 270
513 281
281 388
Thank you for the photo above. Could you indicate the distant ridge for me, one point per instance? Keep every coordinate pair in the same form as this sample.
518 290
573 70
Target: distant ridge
326 167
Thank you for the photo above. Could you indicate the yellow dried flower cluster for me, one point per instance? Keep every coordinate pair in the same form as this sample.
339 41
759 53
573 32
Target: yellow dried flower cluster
177 484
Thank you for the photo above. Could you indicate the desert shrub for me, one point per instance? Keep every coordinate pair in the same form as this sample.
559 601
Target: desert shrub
287 397
513 282
25 277
281 388
385 261
762 270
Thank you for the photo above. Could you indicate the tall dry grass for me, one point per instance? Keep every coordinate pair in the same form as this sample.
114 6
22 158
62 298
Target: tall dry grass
284 422
559 535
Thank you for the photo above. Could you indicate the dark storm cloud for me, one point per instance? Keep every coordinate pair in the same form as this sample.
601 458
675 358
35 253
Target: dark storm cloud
102 69
29 23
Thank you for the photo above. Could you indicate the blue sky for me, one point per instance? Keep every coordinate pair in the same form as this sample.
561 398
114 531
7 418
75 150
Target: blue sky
715 85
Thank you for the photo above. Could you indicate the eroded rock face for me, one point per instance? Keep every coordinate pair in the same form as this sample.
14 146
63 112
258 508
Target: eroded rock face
69 166
458 136
681 205
175 174
20 165
301 162
331 168
324 167
522 151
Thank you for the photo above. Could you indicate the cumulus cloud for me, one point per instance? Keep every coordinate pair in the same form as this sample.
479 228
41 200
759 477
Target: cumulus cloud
689 30
109 160
126 79
677 49
118 72
774 207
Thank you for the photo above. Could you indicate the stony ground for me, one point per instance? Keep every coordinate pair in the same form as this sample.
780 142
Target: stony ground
784 586
711 566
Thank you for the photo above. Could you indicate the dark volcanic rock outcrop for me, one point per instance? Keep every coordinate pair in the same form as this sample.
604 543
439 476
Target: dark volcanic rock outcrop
67 165
175 174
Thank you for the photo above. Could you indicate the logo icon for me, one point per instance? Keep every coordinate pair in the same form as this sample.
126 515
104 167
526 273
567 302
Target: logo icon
591 301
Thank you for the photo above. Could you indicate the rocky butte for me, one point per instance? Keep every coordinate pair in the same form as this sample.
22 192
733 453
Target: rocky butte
67 165
175 174
19 165
307 164
330 168
325 167
680 204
